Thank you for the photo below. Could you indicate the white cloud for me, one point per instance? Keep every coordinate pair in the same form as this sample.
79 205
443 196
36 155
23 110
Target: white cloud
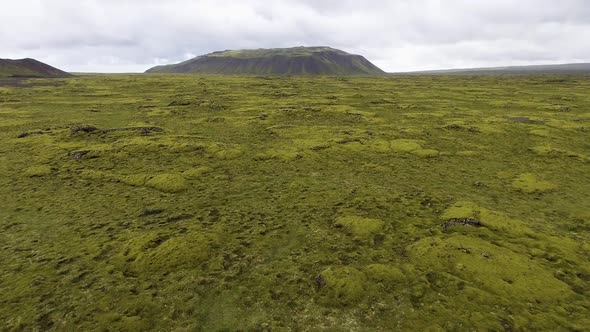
132 35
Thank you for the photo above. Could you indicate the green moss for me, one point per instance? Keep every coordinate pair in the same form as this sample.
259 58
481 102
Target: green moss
382 146
135 179
426 153
495 269
341 286
529 183
195 173
141 243
404 145
171 183
37 171
540 132
488 129
224 152
492 220
94 175
462 210
287 154
180 252
546 150
360 227
386 274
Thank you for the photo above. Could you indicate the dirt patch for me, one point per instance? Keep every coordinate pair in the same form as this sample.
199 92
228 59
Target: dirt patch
461 221
93 129
522 119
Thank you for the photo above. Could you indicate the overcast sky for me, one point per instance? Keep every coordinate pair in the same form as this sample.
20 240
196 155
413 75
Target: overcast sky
396 35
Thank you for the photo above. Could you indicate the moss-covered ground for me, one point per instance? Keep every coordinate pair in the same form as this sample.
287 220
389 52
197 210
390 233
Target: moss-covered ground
146 202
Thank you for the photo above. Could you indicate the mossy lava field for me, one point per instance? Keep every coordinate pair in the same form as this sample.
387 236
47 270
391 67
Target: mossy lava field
212 203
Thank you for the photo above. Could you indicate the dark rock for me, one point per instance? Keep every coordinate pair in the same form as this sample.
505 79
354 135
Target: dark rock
320 282
462 221
151 212
180 103
83 129
30 133
522 119
79 154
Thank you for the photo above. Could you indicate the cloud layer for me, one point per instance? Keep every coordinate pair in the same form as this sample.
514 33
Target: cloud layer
397 35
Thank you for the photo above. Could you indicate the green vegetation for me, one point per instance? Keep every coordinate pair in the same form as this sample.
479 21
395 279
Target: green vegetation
209 203
275 61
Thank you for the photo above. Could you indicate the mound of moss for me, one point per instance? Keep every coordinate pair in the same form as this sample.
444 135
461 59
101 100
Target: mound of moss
171 183
196 172
426 153
341 285
530 183
359 227
179 252
490 267
404 145
387 274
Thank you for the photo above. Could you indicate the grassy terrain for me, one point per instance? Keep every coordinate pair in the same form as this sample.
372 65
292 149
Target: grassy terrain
221 203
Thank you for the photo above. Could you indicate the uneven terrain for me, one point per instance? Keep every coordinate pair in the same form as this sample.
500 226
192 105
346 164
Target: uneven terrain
138 202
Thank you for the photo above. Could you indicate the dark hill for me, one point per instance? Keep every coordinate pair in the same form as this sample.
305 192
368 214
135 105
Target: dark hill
559 69
28 68
278 61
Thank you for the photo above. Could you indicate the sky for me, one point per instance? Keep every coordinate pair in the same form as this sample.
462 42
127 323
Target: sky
396 35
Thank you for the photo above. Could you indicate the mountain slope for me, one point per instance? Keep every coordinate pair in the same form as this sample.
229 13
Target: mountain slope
28 68
570 68
285 61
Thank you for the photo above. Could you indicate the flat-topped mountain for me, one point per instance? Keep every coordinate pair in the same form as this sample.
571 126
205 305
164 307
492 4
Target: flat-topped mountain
28 68
277 61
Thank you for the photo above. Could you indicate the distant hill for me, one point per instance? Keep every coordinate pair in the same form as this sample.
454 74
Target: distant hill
566 69
278 61
28 68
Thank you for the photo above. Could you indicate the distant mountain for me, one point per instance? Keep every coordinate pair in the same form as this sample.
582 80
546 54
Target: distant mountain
28 68
567 69
278 61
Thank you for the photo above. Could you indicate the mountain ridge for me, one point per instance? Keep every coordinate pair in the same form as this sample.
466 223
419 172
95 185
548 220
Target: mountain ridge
581 68
318 60
29 68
